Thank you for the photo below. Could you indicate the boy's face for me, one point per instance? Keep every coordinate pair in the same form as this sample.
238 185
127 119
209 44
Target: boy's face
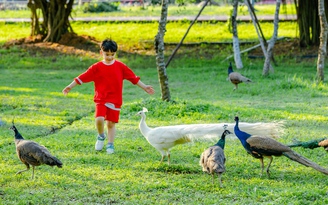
108 55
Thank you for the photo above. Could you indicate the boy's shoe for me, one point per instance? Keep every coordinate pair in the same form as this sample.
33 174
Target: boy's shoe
100 143
110 149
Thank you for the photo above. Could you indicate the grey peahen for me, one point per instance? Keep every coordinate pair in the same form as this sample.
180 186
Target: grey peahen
236 78
323 142
263 146
31 153
213 159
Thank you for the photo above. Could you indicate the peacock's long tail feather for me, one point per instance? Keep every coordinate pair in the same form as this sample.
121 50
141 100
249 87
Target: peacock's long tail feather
306 162
213 131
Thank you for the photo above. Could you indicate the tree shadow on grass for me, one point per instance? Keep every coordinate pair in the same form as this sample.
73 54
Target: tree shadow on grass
87 46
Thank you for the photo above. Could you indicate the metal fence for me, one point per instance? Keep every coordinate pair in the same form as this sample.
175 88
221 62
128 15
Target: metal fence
13 4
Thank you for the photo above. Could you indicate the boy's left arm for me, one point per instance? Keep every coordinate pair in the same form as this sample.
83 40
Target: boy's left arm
148 88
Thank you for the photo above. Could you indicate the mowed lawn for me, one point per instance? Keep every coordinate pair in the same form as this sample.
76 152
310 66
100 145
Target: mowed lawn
30 93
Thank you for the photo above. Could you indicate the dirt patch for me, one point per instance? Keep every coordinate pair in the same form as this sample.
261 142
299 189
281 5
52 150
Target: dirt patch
72 44
288 48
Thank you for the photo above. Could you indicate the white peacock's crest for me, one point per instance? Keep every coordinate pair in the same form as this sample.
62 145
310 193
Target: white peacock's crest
144 109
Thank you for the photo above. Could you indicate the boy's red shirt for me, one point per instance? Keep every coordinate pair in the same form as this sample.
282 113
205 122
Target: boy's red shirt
108 81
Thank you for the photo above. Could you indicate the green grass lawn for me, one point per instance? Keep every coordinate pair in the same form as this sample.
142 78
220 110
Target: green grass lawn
173 10
136 34
133 34
30 93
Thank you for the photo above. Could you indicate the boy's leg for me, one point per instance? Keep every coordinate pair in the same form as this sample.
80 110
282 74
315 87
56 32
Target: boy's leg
101 135
100 125
111 135
99 121
112 118
111 131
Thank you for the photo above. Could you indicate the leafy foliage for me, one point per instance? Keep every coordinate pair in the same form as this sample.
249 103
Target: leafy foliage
97 7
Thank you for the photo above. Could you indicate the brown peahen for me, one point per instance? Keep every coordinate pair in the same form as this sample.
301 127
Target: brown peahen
263 146
213 159
31 153
323 142
236 78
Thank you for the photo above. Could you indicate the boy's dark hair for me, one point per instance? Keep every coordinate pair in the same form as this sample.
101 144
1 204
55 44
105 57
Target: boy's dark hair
108 45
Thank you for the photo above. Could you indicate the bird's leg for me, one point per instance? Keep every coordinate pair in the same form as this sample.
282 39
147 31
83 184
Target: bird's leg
33 172
163 156
262 166
267 170
27 168
168 158
220 180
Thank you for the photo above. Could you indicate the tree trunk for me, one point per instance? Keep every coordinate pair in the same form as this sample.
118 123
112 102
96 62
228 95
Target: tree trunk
37 28
235 40
323 41
308 22
269 56
159 47
55 14
257 28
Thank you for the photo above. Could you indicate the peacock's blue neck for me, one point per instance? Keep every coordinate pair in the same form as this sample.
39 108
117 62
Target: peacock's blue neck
242 136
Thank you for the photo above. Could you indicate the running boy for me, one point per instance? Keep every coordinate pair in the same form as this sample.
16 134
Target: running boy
107 76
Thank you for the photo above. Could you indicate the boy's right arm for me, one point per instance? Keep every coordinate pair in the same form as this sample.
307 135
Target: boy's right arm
148 88
69 87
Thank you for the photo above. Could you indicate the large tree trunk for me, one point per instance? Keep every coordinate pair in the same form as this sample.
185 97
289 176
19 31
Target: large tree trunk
159 47
308 22
269 56
323 41
235 39
55 14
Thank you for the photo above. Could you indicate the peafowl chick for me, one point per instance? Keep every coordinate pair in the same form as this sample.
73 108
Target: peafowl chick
31 153
264 146
213 159
236 78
